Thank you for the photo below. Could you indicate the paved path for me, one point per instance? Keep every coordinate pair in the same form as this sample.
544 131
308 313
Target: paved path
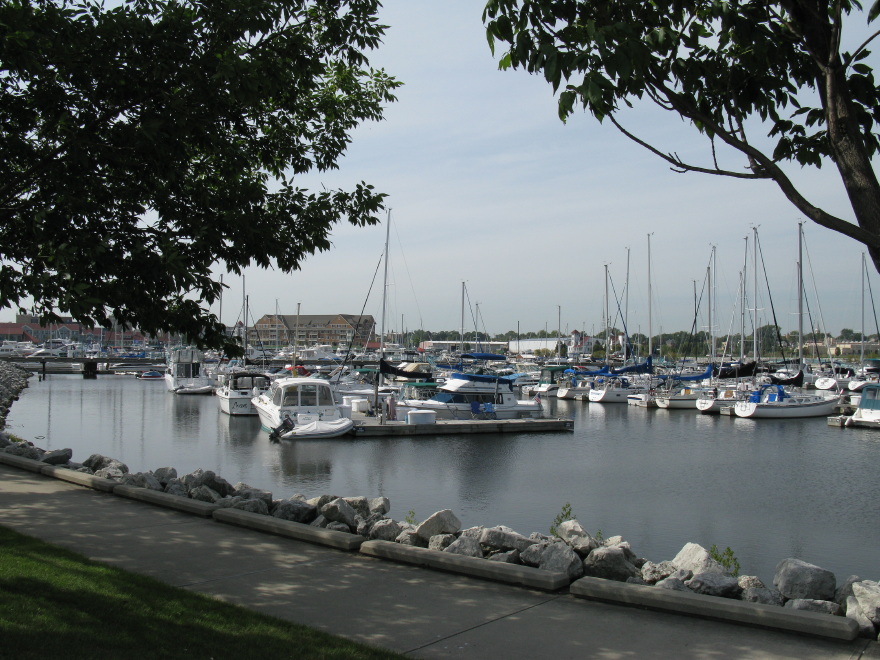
419 612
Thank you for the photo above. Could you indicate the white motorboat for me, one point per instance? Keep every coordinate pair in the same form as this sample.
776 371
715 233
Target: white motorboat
238 389
868 411
548 381
464 396
186 372
774 401
302 400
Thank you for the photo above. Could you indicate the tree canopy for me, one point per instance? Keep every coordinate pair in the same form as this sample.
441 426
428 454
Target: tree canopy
146 143
727 66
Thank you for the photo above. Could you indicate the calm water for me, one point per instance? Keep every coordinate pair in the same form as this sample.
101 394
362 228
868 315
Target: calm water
768 489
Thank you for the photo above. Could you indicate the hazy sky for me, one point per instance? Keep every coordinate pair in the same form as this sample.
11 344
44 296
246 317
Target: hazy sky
488 187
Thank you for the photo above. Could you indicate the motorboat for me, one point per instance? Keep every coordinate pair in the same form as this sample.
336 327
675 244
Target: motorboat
186 372
461 396
775 401
152 374
868 411
301 400
548 381
238 388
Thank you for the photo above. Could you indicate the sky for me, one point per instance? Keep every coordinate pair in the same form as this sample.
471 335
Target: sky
488 187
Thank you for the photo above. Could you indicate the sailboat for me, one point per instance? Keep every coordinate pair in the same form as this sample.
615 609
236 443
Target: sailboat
785 398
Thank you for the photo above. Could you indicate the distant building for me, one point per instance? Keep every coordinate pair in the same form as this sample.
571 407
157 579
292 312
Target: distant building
307 329
470 345
28 328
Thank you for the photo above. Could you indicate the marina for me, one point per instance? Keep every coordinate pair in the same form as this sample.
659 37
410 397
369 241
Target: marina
768 488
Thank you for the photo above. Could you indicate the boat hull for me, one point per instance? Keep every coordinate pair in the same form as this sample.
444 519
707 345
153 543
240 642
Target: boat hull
784 410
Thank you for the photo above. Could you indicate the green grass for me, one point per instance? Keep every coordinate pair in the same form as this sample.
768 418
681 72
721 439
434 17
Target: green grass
57 604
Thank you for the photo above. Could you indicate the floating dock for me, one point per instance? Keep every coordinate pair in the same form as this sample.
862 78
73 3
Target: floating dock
371 427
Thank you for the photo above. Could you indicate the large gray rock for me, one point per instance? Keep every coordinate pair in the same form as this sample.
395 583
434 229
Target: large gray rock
531 556
714 584
111 472
501 539
695 558
762 595
844 590
385 530
465 545
340 511
142 480
441 522
175 487
380 505
854 612
205 494
673 584
652 573
360 505
210 479
440 541
25 450
867 594
294 510
409 537
610 564
58 457
509 557
798 579
812 605
750 581
247 492
165 474
576 537
562 558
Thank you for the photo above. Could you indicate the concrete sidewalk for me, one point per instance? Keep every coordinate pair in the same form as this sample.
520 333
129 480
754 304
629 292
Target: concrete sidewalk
416 611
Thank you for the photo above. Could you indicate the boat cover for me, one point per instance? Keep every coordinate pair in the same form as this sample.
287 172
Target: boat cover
389 369
745 370
645 367
796 381
604 371
702 376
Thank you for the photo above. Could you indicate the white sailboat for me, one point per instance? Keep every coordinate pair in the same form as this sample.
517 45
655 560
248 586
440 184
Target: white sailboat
781 400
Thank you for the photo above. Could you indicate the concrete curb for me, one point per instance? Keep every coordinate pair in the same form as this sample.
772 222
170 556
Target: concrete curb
524 576
165 499
712 607
22 463
290 529
80 478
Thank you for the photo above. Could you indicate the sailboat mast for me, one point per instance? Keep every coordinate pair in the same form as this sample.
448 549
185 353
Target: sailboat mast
800 281
461 352
742 310
650 330
384 293
862 351
607 322
755 319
